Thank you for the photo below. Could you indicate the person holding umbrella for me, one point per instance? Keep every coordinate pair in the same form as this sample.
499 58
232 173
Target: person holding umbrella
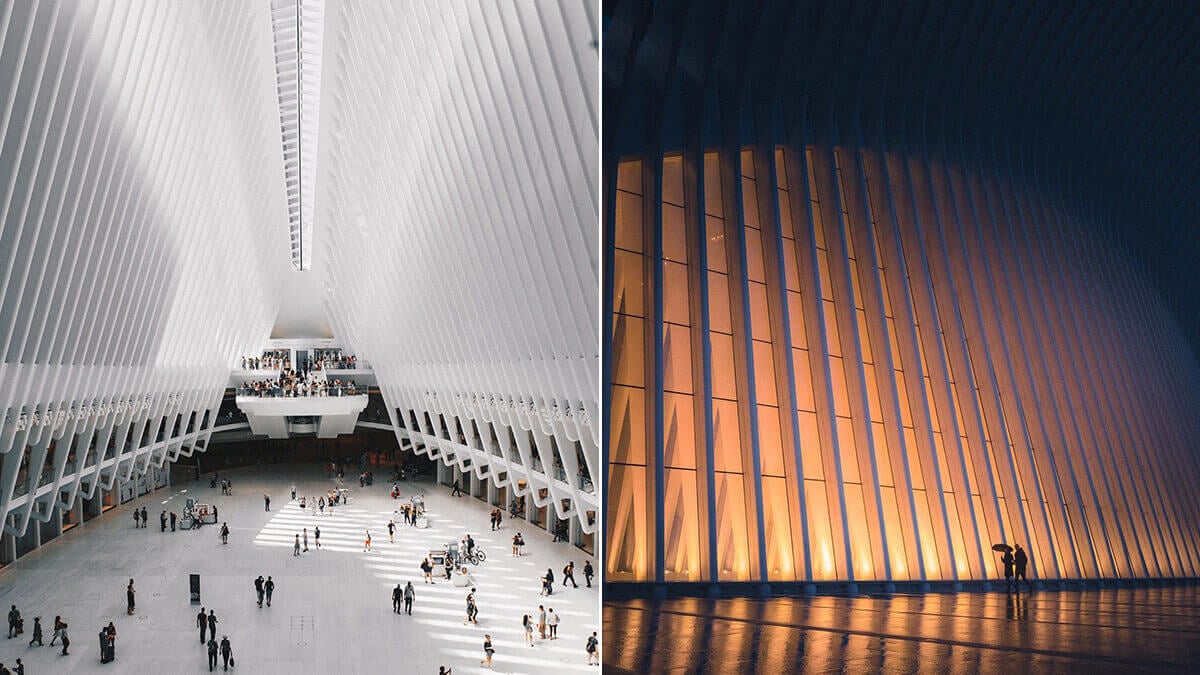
1007 560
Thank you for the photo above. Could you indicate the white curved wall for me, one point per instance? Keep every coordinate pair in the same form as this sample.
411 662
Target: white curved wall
142 232
457 212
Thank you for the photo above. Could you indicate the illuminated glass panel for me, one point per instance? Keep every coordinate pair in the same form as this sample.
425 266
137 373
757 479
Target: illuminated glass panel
681 518
824 563
733 549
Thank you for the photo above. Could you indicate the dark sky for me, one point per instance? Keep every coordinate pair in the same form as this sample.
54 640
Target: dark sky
1110 88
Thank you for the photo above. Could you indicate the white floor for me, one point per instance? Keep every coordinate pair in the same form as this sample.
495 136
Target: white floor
332 608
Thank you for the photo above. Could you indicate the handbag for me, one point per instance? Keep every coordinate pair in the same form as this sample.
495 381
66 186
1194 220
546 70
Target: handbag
231 662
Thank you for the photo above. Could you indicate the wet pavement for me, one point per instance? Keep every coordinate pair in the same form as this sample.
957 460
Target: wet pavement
1122 630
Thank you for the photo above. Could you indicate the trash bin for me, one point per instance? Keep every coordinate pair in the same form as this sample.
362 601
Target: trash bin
194 583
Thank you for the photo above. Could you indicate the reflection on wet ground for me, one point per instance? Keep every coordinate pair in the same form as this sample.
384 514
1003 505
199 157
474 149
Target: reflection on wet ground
1121 630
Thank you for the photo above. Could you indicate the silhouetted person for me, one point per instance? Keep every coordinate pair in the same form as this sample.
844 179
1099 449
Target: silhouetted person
456 492
269 587
202 621
212 654
1007 559
129 595
397 598
103 645
226 651
588 572
173 519
259 590
14 622
37 632
1020 560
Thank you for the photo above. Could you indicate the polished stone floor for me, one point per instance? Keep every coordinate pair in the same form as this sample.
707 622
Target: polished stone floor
1106 631
332 608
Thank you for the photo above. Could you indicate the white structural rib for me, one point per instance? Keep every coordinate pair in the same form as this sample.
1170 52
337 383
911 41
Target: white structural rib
458 171
298 26
140 229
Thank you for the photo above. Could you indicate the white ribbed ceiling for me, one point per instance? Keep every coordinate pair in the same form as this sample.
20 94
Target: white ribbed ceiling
147 235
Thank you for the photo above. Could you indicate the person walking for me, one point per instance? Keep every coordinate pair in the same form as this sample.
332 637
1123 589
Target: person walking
367 542
427 570
588 572
1020 561
488 651
304 540
129 596
162 521
527 622
569 574
593 650
137 519
202 622
541 624
20 669
224 533
66 640
173 519
552 622
267 501
212 654
470 607
1007 559
226 652
317 536
391 531
515 550
409 594
296 548
103 645
37 632
456 492
14 622
293 492
259 590
269 587
474 615
397 598
212 622
111 631
145 520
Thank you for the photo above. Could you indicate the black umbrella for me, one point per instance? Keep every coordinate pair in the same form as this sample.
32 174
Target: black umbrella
1002 548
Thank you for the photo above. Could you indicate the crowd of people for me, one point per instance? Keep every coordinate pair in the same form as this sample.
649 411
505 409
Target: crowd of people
321 359
333 359
267 362
291 383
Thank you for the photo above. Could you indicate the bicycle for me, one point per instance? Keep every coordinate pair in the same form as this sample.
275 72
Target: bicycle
476 556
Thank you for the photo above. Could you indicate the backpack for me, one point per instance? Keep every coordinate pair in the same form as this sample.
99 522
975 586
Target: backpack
566 571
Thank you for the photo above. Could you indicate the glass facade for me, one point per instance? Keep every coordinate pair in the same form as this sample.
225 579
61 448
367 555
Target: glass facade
831 362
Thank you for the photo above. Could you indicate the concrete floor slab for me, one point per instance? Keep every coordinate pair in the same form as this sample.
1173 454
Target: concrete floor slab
331 610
